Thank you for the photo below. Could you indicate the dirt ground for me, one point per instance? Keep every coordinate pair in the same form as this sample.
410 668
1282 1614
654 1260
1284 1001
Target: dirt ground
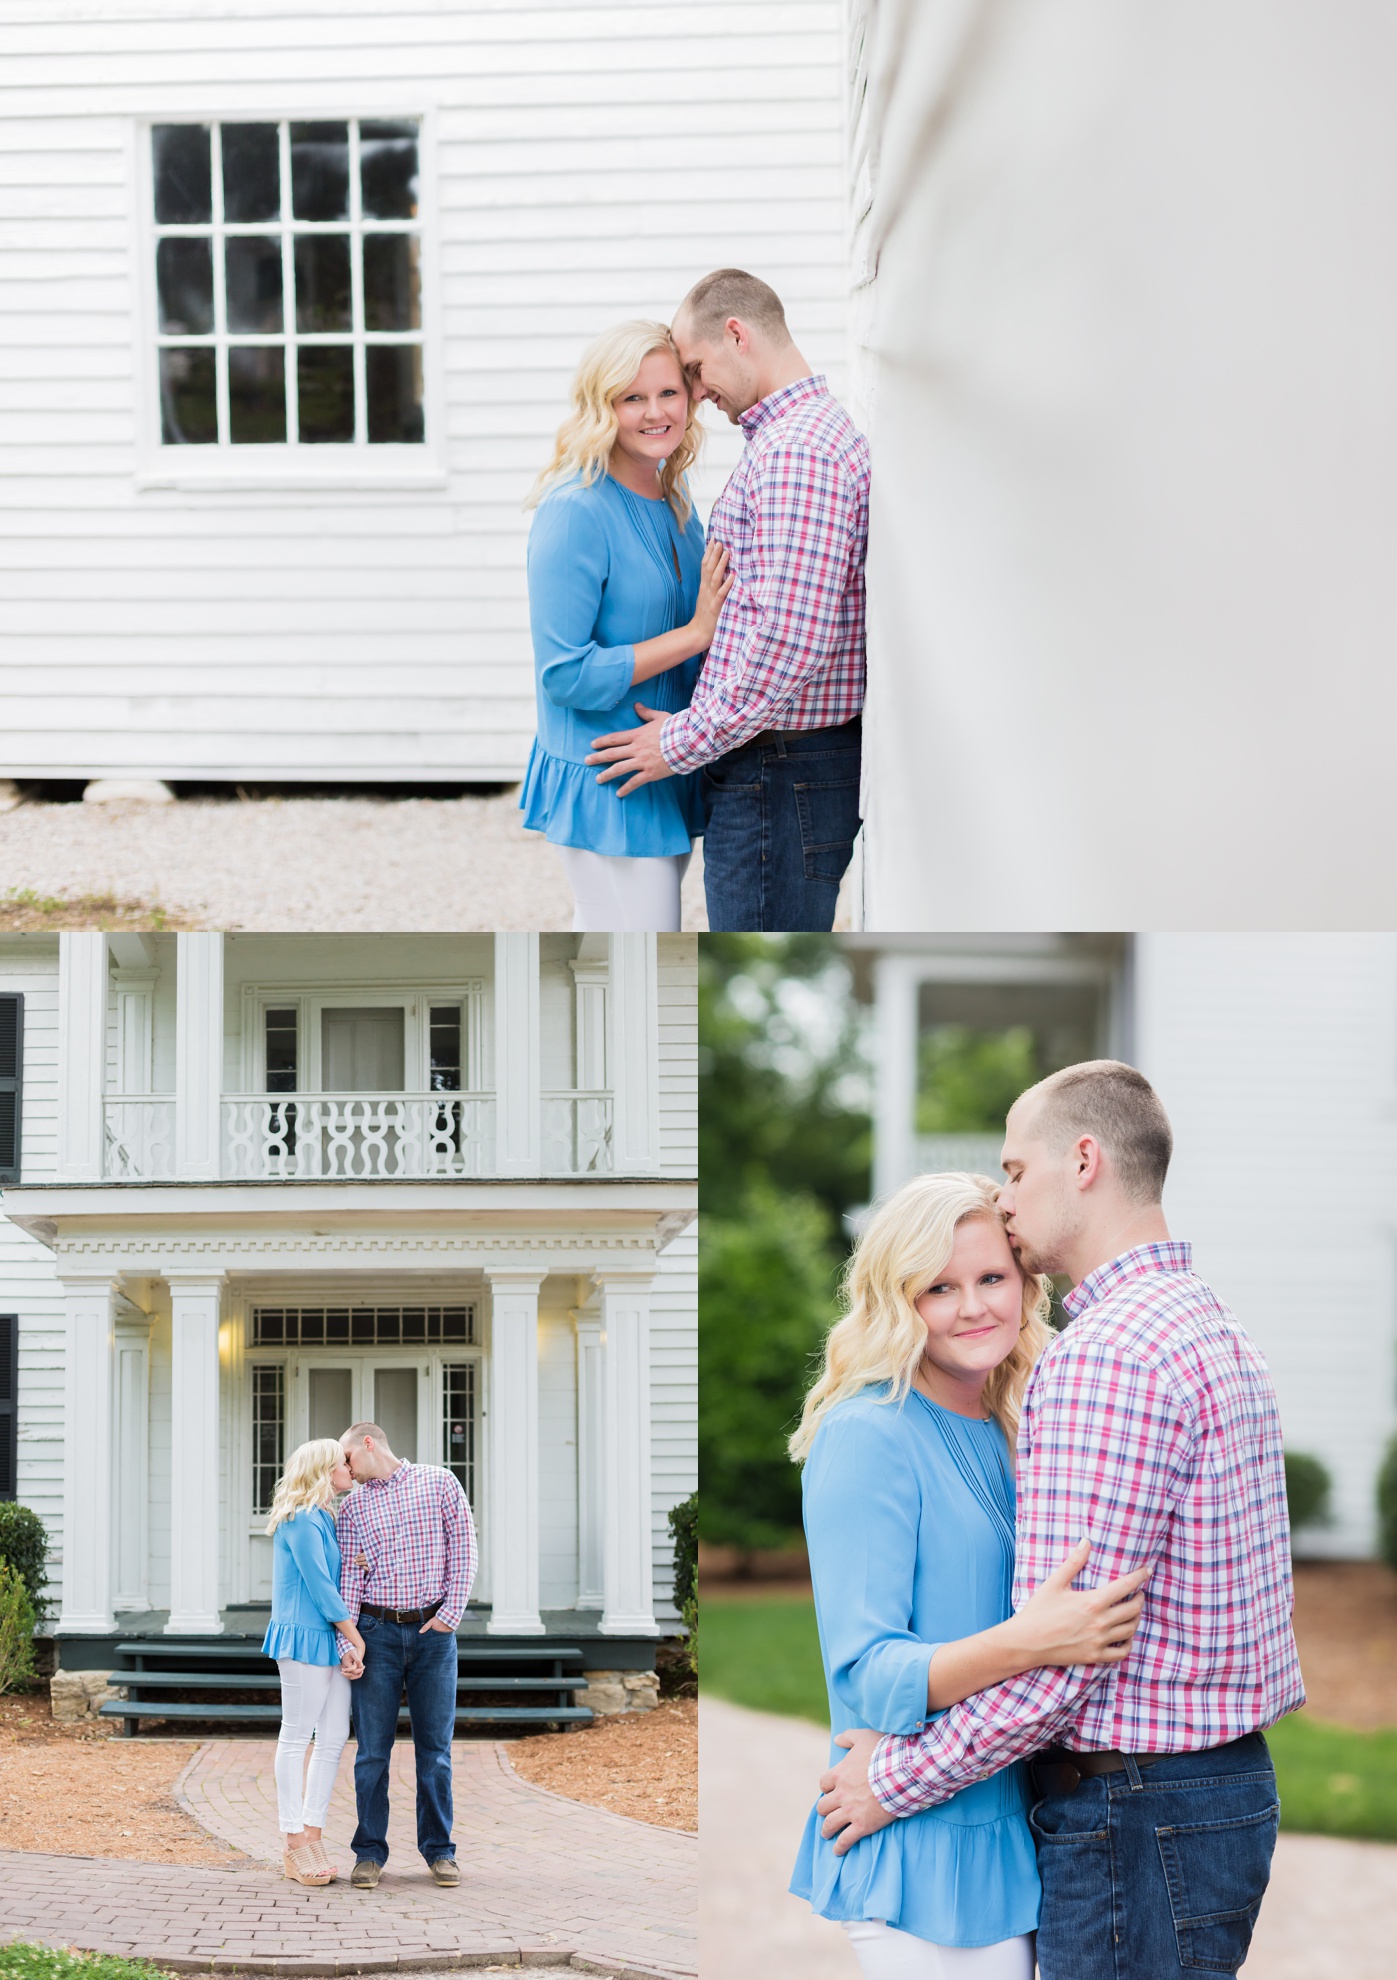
1346 1629
75 1790
641 1764
82 1790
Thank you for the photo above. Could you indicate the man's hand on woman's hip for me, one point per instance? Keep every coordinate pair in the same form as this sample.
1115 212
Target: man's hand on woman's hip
847 1804
634 753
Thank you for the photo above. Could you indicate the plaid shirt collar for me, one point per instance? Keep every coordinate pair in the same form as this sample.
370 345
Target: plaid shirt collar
1172 1256
780 402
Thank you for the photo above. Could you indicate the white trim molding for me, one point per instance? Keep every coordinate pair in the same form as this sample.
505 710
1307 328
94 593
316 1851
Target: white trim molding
514 1493
198 1056
518 1098
82 1052
633 1052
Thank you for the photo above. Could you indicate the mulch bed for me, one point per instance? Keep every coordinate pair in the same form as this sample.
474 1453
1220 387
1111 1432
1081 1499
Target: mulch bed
641 1764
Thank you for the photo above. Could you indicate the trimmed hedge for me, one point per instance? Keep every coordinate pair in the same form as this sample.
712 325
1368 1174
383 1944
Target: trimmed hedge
683 1525
1307 1489
24 1544
16 1632
1387 1506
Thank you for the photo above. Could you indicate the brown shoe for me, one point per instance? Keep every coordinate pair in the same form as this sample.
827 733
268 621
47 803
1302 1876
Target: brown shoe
445 1870
303 1866
365 1874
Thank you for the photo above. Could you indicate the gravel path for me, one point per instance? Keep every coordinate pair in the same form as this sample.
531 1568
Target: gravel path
334 864
1330 1913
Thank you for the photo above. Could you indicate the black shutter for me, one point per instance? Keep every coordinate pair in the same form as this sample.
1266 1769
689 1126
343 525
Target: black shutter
9 1385
11 1082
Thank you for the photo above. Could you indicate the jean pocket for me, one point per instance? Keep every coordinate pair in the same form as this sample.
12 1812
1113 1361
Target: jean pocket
368 1624
1052 1821
828 814
1217 1873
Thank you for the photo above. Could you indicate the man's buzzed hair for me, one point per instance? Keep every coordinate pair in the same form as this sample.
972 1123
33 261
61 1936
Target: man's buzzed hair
733 292
356 1433
1119 1108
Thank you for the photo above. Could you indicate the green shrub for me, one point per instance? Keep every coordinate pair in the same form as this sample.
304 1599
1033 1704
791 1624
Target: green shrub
1387 1506
1307 1489
16 1631
24 1544
21 1961
683 1526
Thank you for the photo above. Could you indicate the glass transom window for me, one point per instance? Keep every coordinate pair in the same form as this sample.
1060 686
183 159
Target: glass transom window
288 283
366 1326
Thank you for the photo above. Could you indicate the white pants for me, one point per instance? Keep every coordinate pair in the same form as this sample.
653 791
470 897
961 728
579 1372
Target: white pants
616 894
314 1699
884 1953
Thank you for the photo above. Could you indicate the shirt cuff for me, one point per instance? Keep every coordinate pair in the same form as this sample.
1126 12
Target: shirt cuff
681 755
889 1791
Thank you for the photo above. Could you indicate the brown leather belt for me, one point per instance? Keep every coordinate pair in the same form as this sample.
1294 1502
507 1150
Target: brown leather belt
769 736
399 1615
1060 1771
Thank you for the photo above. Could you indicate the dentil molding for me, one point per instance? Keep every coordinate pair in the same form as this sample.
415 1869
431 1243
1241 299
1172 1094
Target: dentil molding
225 1250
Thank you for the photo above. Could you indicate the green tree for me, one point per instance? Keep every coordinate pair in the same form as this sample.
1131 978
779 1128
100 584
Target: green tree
968 1080
766 1301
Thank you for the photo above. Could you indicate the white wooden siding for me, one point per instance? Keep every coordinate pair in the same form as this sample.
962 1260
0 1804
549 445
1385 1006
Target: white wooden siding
678 983
673 1401
1276 1056
591 161
29 1287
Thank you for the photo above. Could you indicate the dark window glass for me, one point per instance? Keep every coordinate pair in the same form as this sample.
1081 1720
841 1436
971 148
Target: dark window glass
458 1424
183 176
445 1048
320 171
188 402
251 172
325 382
388 169
395 392
184 279
268 1434
281 1051
252 263
322 282
392 282
256 394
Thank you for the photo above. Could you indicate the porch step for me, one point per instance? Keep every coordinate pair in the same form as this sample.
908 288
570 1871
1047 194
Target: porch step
247 1681
475 1715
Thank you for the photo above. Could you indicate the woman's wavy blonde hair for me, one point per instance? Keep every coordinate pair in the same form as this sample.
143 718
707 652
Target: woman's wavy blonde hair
306 1480
905 1247
588 434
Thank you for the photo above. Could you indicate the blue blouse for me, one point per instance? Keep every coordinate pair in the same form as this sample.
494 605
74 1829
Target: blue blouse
306 1599
909 1513
607 568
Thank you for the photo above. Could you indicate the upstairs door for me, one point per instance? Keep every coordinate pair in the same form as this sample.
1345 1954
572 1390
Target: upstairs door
362 1050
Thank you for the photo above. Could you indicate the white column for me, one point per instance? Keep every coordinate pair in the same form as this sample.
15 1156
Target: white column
82 1045
895 987
514 1451
628 1606
198 1056
518 1127
131 1461
591 1442
633 1014
89 1303
194 1456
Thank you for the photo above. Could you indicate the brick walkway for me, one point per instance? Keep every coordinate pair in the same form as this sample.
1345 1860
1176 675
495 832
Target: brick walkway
545 1882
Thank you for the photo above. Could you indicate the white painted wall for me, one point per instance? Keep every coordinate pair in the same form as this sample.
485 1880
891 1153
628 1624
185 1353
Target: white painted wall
1276 1056
590 162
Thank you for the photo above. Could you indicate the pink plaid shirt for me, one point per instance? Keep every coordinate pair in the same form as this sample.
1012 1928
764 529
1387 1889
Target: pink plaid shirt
789 649
1150 1427
416 1533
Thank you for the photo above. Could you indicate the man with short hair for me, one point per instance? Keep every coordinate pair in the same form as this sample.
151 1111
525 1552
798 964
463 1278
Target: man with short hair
775 717
1151 1428
408 1554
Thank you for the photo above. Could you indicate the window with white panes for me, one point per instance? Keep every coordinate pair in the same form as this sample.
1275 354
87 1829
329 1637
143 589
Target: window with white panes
288 283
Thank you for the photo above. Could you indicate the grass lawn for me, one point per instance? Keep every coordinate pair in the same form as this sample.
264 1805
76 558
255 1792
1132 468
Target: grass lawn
764 1654
26 1962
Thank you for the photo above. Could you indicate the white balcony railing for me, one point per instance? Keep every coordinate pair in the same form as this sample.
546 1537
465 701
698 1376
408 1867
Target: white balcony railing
577 1134
977 1153
139 1138
368 1137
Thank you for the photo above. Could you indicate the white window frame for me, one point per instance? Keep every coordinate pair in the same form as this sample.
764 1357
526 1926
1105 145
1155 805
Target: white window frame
346 465
242 1526
415 1002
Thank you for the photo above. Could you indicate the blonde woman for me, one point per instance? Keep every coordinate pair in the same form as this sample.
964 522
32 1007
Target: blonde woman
621 594
907 1441
307 1611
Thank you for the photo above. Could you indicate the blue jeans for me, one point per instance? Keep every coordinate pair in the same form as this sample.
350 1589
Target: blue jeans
780 822
1159 1870
397 1654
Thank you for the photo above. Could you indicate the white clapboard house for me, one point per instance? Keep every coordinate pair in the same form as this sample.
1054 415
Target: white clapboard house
290 298
1276 1056
256 1187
